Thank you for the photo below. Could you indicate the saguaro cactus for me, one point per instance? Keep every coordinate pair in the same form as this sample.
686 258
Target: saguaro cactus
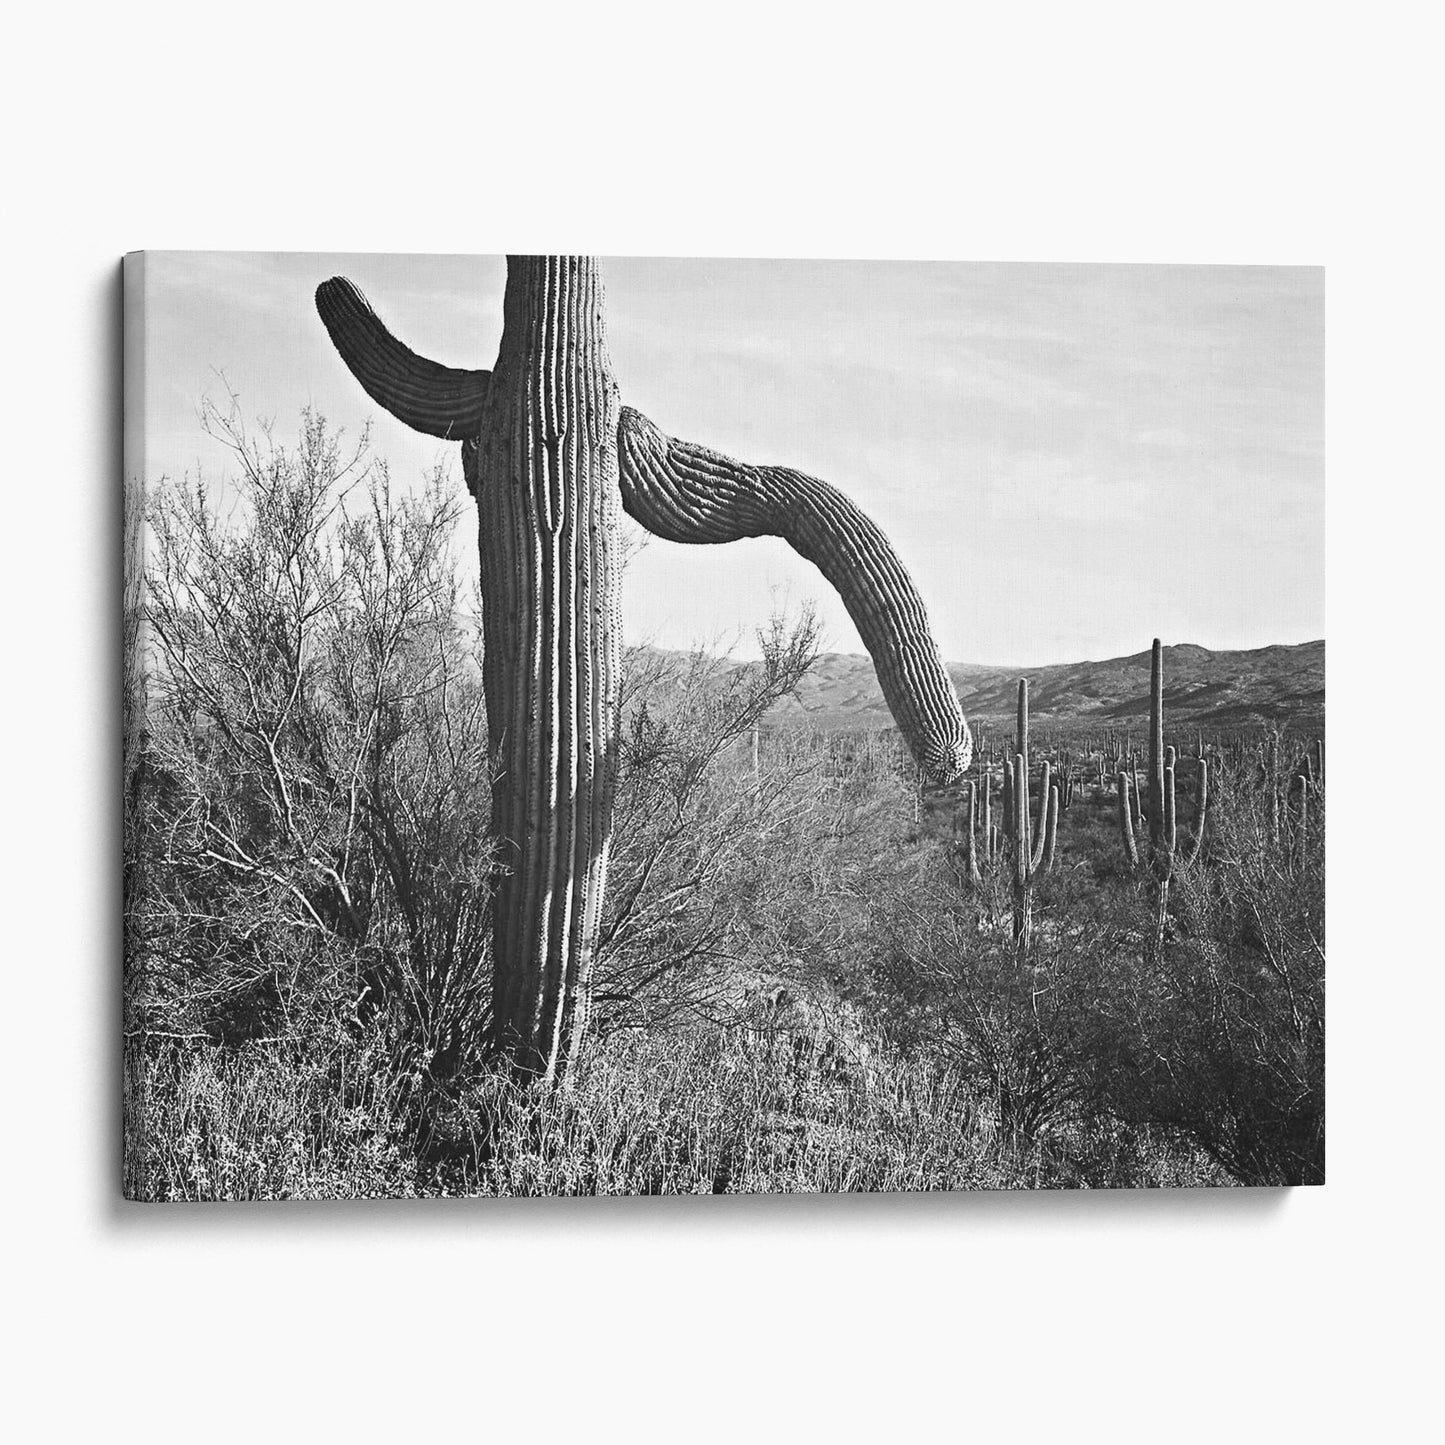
1033 844
1161 815
973 821
966 822
1066 781
550 454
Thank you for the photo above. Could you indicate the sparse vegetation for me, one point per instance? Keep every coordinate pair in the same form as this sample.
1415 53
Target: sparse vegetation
805 979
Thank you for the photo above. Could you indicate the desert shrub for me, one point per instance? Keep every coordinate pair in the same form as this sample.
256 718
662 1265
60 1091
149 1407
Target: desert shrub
797 985
739 859
315 766
1220 1035
692 824
1211 1044
311 789
1018 1026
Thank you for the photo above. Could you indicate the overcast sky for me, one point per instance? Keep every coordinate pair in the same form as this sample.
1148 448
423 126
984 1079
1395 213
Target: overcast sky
1070 459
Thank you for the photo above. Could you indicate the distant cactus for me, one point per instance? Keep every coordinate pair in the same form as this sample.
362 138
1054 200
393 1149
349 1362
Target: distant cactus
979 837
1128 820
970 840
552 456
1305 785
1161 815
990 832
1033 842
1286 790
1026 842
1066 782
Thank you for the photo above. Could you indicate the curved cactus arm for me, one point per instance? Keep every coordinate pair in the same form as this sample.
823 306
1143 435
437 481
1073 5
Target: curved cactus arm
686 493
441 401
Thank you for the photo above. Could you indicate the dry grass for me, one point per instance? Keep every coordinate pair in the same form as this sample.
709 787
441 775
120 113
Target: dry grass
701 1113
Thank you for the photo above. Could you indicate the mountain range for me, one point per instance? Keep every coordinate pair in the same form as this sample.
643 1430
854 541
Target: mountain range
1223 690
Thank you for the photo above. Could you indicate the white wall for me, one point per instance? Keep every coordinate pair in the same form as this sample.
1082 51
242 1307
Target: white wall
1235 133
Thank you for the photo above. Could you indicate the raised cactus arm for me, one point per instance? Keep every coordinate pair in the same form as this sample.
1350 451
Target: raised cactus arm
441 401
686 493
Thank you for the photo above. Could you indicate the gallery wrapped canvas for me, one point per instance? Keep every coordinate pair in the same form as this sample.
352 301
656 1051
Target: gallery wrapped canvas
608 726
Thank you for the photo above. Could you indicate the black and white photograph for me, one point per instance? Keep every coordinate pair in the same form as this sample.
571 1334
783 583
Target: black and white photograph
668 764
690 726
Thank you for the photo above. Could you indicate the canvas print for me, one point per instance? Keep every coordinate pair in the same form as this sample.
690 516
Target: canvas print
650 726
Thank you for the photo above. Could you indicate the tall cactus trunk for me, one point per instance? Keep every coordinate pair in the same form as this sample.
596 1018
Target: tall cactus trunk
553 458
1156 750
548 503
1022 892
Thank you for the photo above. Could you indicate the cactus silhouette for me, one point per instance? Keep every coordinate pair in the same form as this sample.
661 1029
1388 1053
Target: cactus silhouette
551 454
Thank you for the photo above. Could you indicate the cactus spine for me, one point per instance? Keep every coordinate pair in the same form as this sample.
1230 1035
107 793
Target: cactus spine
551 455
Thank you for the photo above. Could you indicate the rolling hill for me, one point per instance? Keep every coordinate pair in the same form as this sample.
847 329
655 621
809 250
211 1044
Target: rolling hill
1225 690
